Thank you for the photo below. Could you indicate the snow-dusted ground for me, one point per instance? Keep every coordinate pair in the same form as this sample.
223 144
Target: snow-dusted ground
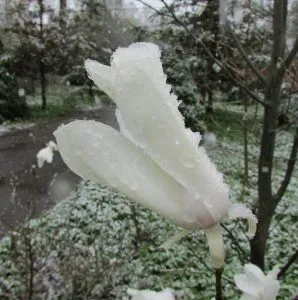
9 127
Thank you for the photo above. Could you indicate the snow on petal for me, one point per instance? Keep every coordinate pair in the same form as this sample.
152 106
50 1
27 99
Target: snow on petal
151 116
113 159
239 210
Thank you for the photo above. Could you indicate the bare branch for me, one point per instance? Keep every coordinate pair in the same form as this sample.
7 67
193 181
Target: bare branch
241 252
289 263
216 61
289 170
279 32
245 56
153 8
288 60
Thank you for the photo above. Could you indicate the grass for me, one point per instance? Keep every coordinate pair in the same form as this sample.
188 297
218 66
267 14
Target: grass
61 100
230 124
52 111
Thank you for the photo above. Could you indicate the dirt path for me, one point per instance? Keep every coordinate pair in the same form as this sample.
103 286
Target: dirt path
26 191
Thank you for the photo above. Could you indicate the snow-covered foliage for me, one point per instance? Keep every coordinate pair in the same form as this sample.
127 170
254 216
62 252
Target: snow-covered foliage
12 105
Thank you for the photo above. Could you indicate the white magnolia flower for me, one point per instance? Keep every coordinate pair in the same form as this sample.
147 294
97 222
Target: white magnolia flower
255 285
46 154
155 160
166 294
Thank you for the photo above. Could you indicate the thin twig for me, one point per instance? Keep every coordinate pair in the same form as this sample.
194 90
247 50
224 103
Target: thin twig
216 61
289 263
289 170
288 60
218 285
240 250
245 56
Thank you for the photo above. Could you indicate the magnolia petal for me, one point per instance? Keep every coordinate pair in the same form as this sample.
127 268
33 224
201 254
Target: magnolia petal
238 210
216 246
247 297
254 274
153 120
122 126
245 286
273 274
44 155
175 238
113 159
72 155
103 76
271 289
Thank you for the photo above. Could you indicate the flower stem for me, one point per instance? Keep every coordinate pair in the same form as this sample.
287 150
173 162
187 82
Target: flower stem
216 246
218 284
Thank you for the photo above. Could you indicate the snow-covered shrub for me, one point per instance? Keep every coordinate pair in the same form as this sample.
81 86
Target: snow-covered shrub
178 68
12 105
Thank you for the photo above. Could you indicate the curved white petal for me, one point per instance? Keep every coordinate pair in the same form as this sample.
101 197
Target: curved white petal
151 116
91 146
238 210
271 289
122 126
72 155
254 273
103 76
247 287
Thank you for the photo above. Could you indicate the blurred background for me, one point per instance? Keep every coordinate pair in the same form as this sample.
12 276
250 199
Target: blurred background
219 72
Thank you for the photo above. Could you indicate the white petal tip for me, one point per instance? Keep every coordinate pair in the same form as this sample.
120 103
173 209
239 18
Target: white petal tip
241 211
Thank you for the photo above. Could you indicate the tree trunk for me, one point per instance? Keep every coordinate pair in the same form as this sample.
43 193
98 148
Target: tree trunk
62 15
209 106
41 57
245 142
266 202
42 84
